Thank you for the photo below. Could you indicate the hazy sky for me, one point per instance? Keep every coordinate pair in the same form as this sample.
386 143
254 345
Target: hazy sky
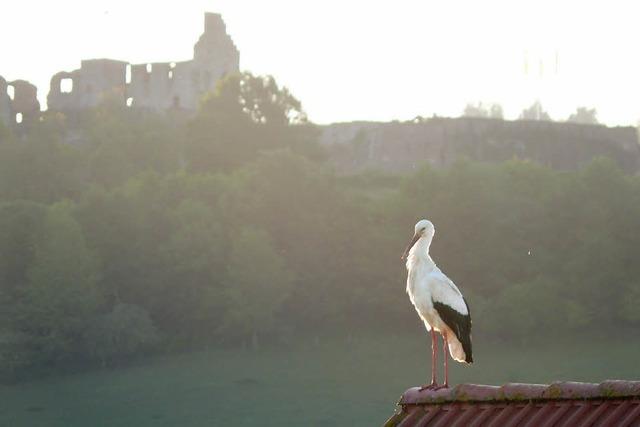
369 60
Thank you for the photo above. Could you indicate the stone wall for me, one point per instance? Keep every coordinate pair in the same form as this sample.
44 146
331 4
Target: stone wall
155 86
405 146
22 106
5 103
394 147
87 87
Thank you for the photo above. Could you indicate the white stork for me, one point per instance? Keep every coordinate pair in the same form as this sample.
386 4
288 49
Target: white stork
439 303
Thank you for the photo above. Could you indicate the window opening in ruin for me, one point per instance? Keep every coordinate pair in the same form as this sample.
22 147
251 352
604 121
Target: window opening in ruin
176 102
19 118
170 74
129 102
127 74
66 85
172 65
11 91
149 68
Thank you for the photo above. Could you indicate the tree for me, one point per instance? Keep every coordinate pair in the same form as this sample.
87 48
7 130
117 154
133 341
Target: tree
190 303
535 112
5 132
123 332
496 111
39 168
523 310
629 303
20 225
263 101
258 284
121 143
61 294
245 115
584 115
128 228
493 111
477 110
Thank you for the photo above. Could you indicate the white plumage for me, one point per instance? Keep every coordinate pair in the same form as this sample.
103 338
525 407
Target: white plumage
438 301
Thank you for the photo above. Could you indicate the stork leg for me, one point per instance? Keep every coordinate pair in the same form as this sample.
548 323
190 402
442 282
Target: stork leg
445 352
434 351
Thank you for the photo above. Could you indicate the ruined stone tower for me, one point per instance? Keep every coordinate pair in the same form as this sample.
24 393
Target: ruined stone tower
93 83
215 51
18 102
156 86
5 103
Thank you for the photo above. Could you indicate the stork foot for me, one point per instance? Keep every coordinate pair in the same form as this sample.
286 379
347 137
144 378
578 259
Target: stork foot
433 386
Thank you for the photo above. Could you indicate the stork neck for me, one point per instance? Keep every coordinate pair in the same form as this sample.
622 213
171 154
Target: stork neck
420 250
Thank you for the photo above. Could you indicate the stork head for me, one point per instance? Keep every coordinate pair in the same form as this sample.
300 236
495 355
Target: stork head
424 229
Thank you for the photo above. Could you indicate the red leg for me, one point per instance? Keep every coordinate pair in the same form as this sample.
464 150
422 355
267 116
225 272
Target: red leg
445 353
434 356
434 352
446 362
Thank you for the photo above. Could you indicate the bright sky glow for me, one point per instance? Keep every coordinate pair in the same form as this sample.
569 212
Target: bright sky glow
362 60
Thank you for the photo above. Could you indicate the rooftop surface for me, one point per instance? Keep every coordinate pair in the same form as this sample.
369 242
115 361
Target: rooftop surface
610 403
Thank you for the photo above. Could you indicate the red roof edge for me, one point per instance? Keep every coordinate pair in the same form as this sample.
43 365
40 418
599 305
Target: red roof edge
610 389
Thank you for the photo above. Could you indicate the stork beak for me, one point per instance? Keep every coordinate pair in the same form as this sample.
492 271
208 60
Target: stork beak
415 238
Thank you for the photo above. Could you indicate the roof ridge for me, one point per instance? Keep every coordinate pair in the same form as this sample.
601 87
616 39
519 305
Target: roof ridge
559 390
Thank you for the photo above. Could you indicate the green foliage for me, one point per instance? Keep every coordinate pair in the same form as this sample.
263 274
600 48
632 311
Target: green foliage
526 310
132 241
61 293
5 133
535 112
20 224
17 354
258 283
196 251
630 302
122 143
246 115
123 332
584 115
39 168
493 111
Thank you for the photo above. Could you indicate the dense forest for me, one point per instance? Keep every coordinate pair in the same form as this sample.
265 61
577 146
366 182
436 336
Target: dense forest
160 234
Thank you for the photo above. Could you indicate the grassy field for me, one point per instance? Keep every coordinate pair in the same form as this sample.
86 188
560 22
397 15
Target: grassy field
334 383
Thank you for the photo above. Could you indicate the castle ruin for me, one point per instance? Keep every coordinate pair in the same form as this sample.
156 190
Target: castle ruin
18 102
395 147
399 147
155 86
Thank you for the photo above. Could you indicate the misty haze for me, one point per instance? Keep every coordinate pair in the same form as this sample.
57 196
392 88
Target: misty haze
204 205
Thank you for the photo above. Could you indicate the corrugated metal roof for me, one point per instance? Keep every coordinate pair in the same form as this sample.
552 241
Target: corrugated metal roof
610 403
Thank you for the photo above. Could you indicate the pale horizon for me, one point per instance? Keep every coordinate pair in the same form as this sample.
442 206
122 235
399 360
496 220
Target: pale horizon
377 61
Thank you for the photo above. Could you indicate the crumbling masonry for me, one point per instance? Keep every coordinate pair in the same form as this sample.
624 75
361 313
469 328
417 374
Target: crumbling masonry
395 147
158 86
18 102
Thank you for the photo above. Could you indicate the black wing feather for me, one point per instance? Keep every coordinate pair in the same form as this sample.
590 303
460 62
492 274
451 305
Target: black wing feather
459 323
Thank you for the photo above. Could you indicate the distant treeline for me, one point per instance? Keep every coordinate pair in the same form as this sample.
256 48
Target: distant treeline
231 229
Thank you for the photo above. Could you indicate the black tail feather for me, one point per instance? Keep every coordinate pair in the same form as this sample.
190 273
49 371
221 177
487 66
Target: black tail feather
460 324
465 340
